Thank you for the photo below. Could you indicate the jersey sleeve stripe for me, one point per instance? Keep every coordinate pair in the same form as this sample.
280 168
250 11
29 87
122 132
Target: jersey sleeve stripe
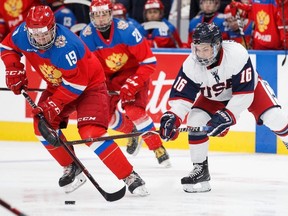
74 88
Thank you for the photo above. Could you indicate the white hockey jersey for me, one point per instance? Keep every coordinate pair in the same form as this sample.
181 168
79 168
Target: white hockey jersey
231 81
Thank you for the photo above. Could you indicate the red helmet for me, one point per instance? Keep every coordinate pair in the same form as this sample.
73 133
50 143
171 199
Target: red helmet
119 11
39 21
101 8
154 4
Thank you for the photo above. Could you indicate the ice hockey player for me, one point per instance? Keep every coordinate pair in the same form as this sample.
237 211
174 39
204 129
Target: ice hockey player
75 82
228 84
128 64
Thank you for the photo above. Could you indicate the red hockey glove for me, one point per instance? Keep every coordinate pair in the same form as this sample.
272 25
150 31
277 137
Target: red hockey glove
168 124
50 109
16 80
242 9
220 123
130 88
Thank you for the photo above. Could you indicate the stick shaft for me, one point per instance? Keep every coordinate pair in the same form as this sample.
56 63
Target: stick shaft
41 90
10 208
196 130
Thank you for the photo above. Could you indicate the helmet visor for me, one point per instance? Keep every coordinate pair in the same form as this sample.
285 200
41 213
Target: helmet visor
41 38
101 19
204 53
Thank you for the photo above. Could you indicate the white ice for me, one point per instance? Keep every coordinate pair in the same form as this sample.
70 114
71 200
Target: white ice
242 185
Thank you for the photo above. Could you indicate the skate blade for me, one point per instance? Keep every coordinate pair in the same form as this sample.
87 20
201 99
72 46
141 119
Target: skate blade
79 181
141 191
166 164
197 188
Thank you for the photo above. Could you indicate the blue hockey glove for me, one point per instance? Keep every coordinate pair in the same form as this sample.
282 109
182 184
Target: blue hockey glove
220 123
168 124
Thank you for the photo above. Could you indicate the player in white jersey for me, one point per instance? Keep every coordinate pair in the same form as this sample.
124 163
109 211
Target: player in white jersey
216 83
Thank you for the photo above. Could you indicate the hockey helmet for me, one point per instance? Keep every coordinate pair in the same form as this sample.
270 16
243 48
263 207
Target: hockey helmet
205 36
41 27
101 14
154 4
119 11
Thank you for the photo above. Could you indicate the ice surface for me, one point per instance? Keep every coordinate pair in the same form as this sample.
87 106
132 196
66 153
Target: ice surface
242 185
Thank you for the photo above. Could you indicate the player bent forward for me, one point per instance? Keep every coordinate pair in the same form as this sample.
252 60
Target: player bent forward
228 84
128 64
75 82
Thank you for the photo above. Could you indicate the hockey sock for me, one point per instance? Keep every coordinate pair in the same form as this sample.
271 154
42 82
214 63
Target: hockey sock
120 122
108 151
143 123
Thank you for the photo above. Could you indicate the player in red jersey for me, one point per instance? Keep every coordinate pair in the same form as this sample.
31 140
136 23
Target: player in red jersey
12 13
283 21
159 31
128 64
240 28
75 82
264 13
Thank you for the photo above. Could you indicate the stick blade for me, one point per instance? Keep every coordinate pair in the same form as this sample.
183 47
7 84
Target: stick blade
49 134
111 197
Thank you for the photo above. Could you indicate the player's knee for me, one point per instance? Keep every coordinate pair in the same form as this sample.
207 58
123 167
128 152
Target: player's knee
90 131
275 119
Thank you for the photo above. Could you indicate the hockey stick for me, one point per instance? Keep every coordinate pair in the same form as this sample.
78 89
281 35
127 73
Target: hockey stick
241 27
198 131
29 89
10 208
41 90
51 135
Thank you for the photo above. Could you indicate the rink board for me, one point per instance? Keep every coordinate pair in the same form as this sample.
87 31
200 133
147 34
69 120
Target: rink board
16 122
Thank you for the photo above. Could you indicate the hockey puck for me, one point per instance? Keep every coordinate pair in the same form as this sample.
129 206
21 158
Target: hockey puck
70 202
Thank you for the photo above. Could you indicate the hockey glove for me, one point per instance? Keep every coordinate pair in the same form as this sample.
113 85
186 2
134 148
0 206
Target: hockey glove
16 80
49 108
220 123
168 124
130 88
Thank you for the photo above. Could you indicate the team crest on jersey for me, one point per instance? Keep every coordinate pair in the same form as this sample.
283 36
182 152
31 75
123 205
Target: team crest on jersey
122 25
263 20
87 31
60 41
51 74
14 8
116 61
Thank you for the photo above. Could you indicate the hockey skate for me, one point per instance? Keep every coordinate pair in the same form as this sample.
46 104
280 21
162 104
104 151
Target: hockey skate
133 145
136 185
72 178
162 157
198 179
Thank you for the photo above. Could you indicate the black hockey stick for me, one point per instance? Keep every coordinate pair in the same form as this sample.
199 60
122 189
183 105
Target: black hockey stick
41 90
10 208
29 89
51 135
192 130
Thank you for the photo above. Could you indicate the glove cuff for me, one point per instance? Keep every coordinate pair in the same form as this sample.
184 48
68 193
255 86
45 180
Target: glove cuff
231 115
178 121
